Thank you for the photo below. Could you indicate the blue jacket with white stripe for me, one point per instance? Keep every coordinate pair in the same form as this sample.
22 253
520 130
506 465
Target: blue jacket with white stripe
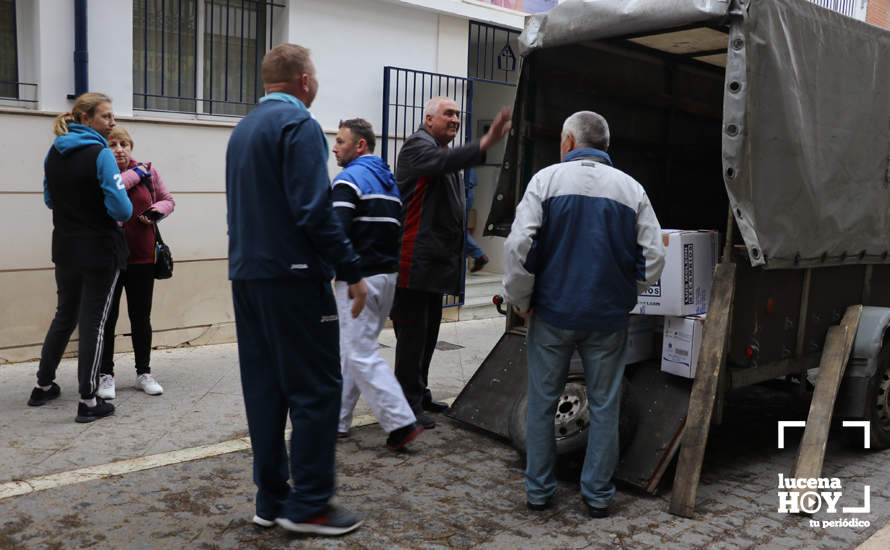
584 244
367 201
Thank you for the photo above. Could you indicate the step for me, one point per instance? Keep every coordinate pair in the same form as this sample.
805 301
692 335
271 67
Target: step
478 308
485 285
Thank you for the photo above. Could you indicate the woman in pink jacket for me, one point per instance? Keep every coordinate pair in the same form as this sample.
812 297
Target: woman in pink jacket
151 203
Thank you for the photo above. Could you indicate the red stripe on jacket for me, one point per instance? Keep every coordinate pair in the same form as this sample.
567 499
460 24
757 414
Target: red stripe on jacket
412 226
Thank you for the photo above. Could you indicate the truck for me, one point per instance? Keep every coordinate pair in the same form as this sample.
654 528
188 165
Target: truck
767 121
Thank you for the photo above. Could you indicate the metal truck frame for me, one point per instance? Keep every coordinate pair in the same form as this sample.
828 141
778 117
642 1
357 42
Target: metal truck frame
767 120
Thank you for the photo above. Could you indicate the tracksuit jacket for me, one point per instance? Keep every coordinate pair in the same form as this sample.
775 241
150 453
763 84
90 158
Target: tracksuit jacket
367 201
84 189
286 229
584 244
433 212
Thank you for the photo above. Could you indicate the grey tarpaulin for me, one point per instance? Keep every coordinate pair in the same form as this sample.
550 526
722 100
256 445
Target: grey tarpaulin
579 20
806 118
806 146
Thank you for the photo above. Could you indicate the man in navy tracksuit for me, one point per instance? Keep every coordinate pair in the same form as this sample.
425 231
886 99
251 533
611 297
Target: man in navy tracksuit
284 243
367 200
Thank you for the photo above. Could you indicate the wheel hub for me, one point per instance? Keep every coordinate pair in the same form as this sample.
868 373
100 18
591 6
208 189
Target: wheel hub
571 411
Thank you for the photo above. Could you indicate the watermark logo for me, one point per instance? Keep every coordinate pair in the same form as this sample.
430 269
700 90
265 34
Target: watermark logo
821 494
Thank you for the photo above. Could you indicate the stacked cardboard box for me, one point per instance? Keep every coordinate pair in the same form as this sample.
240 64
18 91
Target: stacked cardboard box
681 297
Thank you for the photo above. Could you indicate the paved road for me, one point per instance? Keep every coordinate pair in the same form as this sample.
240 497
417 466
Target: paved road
456 488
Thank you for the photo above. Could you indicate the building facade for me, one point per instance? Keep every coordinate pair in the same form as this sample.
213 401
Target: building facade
182 72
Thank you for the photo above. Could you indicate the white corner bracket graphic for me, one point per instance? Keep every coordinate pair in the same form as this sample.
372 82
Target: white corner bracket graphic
788 424
866 430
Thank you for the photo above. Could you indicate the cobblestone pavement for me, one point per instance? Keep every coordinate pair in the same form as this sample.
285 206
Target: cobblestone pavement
457 488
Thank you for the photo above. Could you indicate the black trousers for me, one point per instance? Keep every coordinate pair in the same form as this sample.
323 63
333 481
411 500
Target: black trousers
139 282
416 315
289 353
84 300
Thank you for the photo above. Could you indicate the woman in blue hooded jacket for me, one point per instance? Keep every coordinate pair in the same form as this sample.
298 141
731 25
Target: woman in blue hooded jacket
83 188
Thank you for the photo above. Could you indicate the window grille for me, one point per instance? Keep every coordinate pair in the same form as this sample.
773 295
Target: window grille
493 54
200 56
10 86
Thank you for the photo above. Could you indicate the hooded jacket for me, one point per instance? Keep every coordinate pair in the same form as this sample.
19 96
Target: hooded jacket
434 212
367 201
84 189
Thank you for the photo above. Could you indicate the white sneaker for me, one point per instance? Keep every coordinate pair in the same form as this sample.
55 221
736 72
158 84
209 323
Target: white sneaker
106 386
263 522
146 383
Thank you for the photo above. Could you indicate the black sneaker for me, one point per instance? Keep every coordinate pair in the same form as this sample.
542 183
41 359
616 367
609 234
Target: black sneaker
537 507
402 436
479 263
597 512
425 421
42 397
333 520
435 406
88 414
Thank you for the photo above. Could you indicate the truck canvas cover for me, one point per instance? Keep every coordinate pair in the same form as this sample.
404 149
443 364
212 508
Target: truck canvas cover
805 125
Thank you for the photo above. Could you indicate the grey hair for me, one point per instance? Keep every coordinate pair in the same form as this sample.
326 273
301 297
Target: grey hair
589 129
432 106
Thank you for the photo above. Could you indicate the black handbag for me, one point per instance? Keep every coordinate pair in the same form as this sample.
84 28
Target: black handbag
163 257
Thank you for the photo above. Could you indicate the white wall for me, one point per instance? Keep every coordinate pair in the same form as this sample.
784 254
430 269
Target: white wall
192 307
55 53
488 99
352 40
110 44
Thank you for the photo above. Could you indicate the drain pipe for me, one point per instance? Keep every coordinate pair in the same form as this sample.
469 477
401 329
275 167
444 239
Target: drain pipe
81 53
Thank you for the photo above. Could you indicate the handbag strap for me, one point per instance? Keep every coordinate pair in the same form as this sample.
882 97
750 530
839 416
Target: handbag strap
149 185
157 233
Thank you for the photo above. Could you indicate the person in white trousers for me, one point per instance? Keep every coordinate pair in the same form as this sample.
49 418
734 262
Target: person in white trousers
366 199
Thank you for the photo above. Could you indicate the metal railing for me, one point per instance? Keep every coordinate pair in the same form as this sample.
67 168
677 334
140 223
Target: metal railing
200 56
492 54
405 92
845 7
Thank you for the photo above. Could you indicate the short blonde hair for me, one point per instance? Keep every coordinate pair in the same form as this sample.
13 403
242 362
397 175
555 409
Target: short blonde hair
85 104
284 63
118 132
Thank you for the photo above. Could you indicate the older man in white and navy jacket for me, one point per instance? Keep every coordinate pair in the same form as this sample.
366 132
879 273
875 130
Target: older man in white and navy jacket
367 201
584 244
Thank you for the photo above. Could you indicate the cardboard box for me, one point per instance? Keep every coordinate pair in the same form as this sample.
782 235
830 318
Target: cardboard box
682 342
640 338
685 284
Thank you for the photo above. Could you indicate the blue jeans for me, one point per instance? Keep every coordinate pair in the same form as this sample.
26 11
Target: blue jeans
549 353
472 249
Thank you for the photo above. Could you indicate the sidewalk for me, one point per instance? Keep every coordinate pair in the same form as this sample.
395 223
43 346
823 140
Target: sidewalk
201 404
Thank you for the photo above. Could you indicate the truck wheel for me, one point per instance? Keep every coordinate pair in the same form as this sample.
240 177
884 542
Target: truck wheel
878 411
572 418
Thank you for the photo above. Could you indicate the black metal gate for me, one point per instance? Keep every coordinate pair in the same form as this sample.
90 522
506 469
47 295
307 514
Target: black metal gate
405 92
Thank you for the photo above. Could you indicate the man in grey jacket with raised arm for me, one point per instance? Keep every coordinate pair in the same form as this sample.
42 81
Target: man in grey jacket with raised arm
584 244
434 226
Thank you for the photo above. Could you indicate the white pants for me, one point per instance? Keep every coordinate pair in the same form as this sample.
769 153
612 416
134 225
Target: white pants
364 371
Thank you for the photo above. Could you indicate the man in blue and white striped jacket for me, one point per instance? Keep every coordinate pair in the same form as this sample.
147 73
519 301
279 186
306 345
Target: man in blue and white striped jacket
584 244
367 201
